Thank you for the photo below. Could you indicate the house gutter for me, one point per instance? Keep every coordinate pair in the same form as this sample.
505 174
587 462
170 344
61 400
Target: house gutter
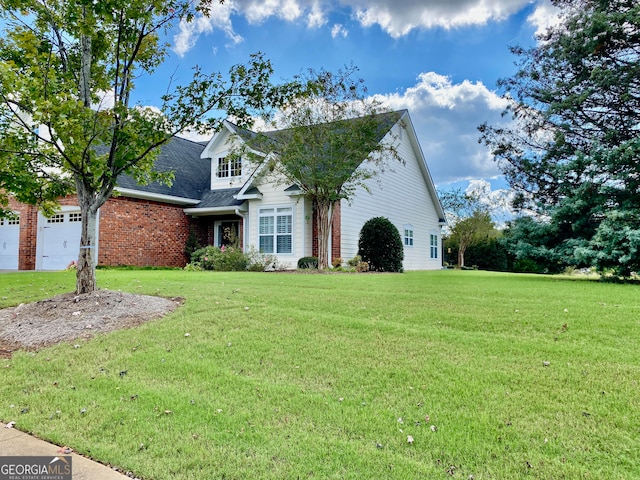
158 197
199 212
244 215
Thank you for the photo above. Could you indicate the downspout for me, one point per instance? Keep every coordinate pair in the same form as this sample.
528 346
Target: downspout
244 217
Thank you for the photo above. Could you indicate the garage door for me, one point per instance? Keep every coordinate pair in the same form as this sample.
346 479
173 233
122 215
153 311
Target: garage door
9 243
60 240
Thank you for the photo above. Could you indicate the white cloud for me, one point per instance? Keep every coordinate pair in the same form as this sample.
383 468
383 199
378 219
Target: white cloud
316 18
544 16
396 17
106 100
498 201
339 31
189 32
399 17
446 117
257 11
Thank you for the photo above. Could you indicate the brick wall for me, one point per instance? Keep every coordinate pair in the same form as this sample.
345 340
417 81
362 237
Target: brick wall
28 231
142 233
131 232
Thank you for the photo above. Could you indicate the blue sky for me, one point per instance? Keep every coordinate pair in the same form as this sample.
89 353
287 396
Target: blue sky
440 59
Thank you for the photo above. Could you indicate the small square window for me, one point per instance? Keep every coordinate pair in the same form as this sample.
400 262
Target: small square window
229 167
408 235
57 218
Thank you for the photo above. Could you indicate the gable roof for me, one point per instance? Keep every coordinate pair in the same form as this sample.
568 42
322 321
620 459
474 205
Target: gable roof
268 145
192 171
192 175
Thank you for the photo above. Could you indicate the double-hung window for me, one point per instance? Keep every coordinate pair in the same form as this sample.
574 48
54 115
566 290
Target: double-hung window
433 242
229 167
276 230
408 235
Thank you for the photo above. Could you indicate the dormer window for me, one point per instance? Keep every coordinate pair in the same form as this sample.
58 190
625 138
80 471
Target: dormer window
229 167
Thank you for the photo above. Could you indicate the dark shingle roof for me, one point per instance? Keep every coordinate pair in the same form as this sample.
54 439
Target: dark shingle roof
220 198
192 175
269 140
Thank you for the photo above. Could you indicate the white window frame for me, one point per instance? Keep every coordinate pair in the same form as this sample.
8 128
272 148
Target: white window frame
434 246
274 212
408 235
229 167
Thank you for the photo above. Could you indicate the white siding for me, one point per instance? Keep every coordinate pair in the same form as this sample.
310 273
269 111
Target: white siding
400 194
221 149
274 196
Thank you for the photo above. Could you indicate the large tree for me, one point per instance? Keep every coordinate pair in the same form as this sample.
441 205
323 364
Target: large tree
328 143
573 150
67 74
469 219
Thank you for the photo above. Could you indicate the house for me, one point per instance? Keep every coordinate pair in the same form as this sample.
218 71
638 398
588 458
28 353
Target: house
222 199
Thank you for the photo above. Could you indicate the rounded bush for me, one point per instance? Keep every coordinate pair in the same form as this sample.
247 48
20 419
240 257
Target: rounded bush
308 262
380 245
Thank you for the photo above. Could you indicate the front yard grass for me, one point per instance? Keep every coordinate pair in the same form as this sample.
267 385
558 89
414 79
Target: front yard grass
418 375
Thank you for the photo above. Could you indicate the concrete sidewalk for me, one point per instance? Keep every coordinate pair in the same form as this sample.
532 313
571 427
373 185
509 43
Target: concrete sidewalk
16 443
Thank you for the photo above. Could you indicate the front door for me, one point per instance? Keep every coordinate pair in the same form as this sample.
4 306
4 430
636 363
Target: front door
227 233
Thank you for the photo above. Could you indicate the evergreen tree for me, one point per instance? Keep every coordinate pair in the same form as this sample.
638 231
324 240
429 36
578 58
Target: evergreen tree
573 150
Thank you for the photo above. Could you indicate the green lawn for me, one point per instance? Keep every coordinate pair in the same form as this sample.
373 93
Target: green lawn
287 376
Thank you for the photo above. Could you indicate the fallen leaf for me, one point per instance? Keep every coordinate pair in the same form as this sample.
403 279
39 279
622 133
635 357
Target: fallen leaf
409 439
10 425
65 450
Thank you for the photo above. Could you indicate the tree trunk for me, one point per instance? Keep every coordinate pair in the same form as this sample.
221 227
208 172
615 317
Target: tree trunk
323 220
84 86
86 274
89 201
461 249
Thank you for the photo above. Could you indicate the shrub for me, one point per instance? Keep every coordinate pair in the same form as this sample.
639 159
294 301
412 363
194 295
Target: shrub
261 262
192 244
193 267
308 262
336 262
224 259
354 261
362 267
380 245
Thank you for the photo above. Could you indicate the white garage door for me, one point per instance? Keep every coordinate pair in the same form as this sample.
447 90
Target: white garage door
9 243
59 240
